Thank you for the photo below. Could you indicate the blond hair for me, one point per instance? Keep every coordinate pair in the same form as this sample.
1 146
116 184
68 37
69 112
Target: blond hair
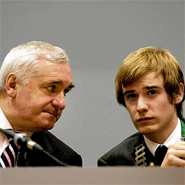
146 60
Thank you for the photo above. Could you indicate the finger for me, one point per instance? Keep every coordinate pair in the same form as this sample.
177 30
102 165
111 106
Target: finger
177 146
176 153
171 160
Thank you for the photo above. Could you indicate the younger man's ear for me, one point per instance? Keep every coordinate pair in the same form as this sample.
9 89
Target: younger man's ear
180 96
10 85
184 94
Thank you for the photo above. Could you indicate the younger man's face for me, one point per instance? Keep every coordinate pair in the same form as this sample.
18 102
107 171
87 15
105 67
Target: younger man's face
149 107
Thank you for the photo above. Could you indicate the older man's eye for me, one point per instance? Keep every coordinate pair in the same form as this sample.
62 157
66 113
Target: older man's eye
51 88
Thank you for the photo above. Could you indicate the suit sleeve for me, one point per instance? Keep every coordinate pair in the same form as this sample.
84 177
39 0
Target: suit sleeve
54 147
101 162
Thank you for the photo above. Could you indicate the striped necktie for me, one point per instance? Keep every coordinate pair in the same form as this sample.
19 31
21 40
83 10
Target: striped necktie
9 155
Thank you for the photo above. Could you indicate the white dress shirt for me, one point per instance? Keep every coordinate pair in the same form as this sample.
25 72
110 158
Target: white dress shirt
4 124
173 138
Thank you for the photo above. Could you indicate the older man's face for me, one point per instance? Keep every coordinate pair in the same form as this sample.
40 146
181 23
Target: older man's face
40 103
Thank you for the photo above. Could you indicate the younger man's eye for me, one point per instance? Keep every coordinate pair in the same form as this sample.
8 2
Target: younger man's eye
131 96
152 92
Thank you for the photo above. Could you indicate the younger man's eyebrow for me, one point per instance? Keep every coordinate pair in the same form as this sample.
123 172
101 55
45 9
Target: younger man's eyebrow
147 87
152 87
128 92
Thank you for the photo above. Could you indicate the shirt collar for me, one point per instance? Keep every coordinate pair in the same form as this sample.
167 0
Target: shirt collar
5 124
173 138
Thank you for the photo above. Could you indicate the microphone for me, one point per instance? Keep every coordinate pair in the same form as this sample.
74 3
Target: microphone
22 140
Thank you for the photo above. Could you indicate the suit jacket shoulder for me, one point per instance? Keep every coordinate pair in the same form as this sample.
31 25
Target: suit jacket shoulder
123 153
130 152
53 146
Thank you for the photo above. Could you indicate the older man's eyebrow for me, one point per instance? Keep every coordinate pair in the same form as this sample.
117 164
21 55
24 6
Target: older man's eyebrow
60 82
55 82
69 88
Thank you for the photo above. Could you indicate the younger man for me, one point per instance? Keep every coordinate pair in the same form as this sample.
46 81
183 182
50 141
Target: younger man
150 84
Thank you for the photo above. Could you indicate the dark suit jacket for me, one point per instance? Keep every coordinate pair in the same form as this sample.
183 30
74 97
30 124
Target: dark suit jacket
130 152
53 146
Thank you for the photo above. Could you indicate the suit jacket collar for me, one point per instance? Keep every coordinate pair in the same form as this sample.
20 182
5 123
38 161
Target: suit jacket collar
143 156
40 138
31 158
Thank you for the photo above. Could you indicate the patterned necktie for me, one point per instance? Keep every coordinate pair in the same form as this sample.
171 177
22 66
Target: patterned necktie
9 155
160 153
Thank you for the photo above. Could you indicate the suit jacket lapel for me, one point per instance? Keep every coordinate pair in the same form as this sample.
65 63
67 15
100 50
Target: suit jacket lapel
143 156
36 158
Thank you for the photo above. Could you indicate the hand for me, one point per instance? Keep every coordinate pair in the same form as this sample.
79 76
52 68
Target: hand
175 155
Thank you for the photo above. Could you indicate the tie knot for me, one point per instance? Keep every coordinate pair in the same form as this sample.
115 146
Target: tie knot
12 130
160 153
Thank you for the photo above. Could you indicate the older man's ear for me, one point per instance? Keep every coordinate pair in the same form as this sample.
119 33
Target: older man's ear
11 83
